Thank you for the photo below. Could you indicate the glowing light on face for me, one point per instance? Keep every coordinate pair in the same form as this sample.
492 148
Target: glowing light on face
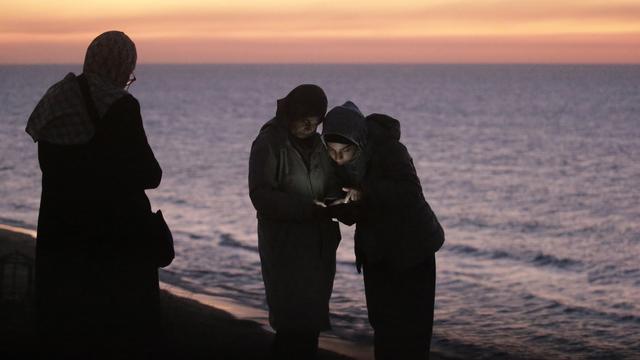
342 153
304 127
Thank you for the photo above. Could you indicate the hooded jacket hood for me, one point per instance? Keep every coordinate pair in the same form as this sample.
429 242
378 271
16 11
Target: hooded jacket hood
348 122
383 127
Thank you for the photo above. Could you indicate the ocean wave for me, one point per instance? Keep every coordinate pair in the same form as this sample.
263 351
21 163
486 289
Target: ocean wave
469 222
585 312
607 274
523 227
550 260
190 235
228 240
534 258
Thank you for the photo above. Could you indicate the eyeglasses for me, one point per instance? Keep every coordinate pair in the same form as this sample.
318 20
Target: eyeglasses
132 78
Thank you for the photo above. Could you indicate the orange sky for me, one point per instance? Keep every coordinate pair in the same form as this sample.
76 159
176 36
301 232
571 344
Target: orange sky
353 31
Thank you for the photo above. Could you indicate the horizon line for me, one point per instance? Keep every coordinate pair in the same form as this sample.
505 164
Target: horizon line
334 63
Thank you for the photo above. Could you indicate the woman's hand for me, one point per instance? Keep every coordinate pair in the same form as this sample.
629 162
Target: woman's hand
352 195
321 204
337 202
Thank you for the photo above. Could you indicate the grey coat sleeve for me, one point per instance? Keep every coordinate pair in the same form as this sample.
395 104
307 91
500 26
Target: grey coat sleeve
268 200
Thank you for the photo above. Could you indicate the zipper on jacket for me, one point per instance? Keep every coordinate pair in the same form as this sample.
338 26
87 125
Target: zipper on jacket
306 167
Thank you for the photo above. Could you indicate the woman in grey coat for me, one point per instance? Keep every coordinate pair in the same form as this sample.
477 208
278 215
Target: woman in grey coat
290 177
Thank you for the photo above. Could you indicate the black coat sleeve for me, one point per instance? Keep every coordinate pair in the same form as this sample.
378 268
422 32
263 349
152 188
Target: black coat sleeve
347 214
396 182
390 185
396 189
126 156
268 200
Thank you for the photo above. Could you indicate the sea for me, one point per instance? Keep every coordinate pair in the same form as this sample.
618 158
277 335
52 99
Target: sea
533 171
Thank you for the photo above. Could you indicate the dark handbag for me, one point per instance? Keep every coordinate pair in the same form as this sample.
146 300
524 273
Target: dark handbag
155 229
161 239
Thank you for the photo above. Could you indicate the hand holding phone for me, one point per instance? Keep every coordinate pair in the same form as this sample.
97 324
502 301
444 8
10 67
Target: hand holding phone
352 194
331 201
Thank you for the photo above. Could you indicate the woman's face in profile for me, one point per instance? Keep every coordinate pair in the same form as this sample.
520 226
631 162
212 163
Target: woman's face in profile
304 127
341 153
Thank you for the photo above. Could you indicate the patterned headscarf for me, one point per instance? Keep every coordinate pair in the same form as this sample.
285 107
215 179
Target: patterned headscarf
61 116
112 56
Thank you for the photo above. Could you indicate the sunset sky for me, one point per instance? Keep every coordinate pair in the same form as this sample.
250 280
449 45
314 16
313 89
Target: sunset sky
354 31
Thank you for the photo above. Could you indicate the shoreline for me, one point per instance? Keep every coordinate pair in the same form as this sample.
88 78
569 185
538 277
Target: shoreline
225 310
327 342
249 325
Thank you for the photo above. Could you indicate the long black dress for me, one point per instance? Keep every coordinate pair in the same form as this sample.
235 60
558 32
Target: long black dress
97 288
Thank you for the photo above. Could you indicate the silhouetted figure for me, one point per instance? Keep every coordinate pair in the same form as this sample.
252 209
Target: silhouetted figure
397 233
96 284
289 170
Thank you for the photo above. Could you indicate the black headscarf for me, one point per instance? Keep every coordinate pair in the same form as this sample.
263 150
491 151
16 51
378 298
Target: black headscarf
303 101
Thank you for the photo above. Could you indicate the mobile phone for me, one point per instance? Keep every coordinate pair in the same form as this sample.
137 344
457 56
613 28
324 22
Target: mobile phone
330 200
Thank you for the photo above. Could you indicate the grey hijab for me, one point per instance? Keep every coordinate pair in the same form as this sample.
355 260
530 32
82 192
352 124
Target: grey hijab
347 121
60 117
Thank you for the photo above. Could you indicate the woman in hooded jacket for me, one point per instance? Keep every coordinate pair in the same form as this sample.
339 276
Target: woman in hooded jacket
290 175
397 233
96 286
